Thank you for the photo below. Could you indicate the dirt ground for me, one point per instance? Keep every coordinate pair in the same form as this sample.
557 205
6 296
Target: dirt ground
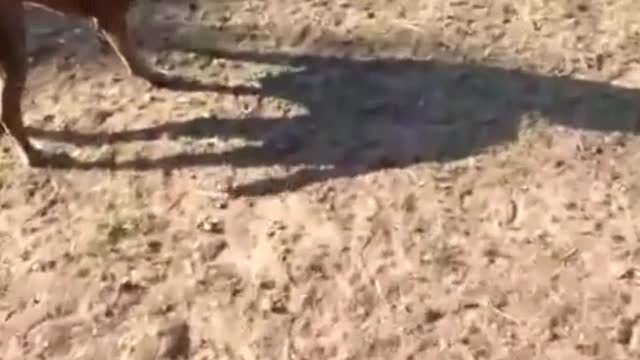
379 179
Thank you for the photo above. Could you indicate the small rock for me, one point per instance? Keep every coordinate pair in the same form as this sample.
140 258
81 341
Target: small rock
49 118
621 271
279 306
267 284
432 316
211 225
127 294
154 246
222 204
275 304
266 304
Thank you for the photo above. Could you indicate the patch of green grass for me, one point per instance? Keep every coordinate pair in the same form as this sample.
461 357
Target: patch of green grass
118 227
123 221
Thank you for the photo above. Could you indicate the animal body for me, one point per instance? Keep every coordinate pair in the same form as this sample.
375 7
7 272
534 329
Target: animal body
110 18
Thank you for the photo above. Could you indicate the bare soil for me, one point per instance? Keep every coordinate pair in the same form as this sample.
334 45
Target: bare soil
381 179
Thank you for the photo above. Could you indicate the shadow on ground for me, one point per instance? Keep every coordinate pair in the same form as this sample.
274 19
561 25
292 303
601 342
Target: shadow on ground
365 115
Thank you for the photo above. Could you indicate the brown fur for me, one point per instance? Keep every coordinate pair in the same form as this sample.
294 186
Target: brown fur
109 16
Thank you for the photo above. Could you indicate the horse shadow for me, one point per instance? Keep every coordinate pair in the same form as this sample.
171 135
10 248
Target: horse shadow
362 115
